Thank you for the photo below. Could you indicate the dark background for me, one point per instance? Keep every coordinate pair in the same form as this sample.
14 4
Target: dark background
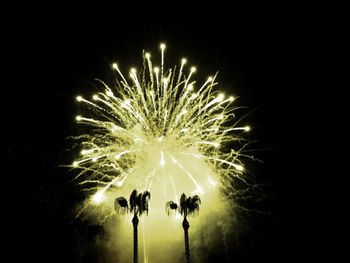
52 54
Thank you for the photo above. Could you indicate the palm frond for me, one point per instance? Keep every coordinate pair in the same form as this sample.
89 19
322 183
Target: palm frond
121 205
133 201
196 199
183 204
193 205
145 197
170 205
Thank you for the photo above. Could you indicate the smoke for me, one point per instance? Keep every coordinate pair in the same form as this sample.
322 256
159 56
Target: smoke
108 239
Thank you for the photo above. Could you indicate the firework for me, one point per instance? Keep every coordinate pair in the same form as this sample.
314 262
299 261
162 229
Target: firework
158 130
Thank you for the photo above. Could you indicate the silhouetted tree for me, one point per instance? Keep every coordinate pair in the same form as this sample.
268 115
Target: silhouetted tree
138 205
188 206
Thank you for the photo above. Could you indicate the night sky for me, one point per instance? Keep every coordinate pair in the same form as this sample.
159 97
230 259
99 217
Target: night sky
55 53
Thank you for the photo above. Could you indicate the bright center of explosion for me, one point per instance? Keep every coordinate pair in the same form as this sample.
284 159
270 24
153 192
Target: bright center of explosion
158 131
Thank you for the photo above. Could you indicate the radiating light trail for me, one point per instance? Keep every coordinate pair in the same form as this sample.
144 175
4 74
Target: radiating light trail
158 130
156 117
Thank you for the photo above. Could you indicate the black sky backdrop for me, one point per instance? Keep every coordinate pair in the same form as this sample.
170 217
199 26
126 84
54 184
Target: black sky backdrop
50 55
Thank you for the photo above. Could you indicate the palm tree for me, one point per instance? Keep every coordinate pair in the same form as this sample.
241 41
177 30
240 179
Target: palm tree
138 204
188 206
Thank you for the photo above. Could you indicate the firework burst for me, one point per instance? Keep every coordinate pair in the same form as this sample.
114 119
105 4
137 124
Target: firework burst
158 130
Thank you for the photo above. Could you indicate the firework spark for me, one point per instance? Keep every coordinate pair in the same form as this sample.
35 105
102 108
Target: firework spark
157 130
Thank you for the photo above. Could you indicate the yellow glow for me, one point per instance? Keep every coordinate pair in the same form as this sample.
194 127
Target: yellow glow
164 132
199 190
118 155
98 197
109 93
221 97
162 161
125 104
212 182
239 167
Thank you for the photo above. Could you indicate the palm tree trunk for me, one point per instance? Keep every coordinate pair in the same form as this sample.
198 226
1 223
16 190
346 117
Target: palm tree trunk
135 222
186 226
